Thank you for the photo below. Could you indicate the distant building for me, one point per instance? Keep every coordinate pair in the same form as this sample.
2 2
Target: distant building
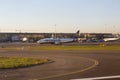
33 37
15 38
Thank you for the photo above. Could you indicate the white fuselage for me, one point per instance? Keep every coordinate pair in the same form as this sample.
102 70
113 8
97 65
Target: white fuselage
110 39
55 40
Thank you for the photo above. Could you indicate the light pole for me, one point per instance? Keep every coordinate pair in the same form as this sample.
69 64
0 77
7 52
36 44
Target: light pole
55 30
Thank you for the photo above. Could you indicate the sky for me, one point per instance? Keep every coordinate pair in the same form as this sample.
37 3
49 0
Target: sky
61 16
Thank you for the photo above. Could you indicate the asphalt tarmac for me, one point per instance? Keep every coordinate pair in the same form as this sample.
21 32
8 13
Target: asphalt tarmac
65 65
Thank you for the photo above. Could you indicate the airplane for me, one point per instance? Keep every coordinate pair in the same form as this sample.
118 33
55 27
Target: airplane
110 39
55 40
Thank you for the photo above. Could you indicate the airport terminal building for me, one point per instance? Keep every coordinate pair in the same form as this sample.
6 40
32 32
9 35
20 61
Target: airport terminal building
33 37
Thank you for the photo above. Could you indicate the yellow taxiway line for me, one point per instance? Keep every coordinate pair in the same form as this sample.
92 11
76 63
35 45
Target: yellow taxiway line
79 71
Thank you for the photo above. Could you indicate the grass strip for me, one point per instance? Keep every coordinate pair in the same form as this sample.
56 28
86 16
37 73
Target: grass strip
65 47
8 62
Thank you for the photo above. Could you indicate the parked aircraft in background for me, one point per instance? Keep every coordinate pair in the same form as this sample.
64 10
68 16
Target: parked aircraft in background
55 40
110 39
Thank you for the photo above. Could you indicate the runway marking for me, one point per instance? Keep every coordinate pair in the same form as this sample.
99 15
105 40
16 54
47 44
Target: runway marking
79 71
97 78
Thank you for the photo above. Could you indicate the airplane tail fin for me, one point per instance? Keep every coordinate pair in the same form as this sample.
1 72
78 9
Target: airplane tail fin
78 32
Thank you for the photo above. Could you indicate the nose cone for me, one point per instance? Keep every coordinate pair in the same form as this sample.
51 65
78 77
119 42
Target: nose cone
38 41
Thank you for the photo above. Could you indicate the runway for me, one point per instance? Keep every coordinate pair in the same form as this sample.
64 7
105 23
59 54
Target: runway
67 65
